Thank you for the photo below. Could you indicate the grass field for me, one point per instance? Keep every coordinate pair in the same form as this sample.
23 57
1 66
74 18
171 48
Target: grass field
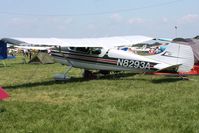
137 103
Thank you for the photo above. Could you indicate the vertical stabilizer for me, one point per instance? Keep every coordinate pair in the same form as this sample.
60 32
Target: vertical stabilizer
177 55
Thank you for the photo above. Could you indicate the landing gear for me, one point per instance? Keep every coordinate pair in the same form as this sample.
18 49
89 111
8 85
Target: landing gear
104 72
93 75
63 76
89 75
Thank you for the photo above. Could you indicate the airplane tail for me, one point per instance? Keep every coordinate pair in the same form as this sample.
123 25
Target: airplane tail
3 50
176 56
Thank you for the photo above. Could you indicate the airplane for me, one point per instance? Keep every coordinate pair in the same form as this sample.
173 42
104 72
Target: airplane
112 54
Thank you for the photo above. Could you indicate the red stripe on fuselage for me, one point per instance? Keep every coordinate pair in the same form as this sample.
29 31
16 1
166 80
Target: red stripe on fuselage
95 59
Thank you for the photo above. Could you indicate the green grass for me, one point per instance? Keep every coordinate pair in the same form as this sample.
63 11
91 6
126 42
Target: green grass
137 103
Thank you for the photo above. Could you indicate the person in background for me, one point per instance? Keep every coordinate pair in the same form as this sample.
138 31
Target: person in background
25 52
30 54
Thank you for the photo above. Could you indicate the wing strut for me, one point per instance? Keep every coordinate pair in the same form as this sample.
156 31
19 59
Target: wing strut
63 76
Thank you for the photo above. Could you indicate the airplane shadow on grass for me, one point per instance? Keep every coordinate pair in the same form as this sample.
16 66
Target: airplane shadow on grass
44 83
108 77
71 80
166 80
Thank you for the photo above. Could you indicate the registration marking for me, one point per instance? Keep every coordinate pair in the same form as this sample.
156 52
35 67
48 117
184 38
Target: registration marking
133 64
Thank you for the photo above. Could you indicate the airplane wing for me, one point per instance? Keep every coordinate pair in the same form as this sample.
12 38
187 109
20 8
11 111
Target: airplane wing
106 42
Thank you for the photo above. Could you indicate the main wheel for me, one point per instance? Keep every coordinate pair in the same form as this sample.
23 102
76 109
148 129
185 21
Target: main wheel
87 74
104 72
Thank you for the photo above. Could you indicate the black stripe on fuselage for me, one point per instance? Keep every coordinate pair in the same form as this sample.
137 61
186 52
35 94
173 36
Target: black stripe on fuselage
84 58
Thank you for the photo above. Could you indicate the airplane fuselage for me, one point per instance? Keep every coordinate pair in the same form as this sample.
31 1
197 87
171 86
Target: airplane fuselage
111 60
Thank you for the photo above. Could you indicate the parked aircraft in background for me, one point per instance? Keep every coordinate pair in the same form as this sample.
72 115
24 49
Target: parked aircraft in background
120 53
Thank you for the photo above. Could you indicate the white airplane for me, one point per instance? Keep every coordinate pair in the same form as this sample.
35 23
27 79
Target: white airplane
112 54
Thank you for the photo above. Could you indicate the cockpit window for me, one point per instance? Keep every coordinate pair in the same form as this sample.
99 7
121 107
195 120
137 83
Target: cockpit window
86 50
82 50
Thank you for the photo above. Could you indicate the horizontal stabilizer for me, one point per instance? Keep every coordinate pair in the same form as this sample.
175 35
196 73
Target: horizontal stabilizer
172 67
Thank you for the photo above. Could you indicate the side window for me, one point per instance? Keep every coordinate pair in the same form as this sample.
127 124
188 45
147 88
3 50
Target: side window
86 50
83 50
72 48
64 49
96 51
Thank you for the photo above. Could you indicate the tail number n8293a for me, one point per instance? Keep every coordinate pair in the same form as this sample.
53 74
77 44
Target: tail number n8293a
133 64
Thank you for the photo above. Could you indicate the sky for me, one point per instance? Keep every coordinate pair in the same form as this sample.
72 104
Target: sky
99 18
